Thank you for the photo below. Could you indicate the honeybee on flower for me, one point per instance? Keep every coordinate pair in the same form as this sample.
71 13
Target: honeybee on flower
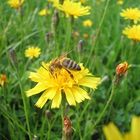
62 81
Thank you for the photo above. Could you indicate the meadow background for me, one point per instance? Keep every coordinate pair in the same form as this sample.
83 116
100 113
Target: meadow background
104 47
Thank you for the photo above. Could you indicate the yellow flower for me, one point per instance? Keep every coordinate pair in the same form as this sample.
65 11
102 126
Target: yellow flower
112 133
44 12
120 2
72 8
86 35
132 32
61 82
3 79
87 23
131 14
15 3
32 52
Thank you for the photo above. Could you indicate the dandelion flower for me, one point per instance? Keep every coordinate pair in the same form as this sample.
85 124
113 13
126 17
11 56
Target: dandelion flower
131 14
132 32
120 2
3 79
44 12
15 3
75 9
32 52
87 23
54 86
112 132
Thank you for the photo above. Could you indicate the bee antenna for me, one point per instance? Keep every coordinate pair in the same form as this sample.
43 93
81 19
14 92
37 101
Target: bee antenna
66 53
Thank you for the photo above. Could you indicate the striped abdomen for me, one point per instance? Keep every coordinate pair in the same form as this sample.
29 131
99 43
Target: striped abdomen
70 64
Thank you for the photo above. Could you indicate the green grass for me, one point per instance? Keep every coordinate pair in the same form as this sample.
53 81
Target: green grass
102 51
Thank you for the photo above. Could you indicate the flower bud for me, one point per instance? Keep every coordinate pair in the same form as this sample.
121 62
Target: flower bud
48 114
12 56
67 130
80 46
3 79
55 21
122 68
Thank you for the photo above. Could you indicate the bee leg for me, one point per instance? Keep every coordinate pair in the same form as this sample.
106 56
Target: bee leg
71 75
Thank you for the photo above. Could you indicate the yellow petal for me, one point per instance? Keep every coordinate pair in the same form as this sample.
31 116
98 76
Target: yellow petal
69 96
77 95
135 128
112 133
56 100
49 94
37 89
82 92
128 136
34 77
91 82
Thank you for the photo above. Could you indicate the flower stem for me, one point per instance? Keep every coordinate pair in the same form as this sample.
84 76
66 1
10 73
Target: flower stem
68 33
98 32
24 101
107 104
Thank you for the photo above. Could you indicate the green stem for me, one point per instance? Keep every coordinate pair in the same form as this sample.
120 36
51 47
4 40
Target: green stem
62 118
24 102
107 104
98 32
68 34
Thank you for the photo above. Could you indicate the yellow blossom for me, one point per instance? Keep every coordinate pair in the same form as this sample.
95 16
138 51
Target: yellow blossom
15 3
53 86
120 2
131 14
112 133
132 32
87 23
32 52
3 79
75 9
44 12
86 35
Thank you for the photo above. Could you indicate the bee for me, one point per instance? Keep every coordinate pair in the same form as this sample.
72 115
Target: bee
64 62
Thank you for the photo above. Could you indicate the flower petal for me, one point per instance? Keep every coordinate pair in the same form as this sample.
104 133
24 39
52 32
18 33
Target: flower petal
37 89
135 126
78 96
49 94
34 77
112 133
91 82
69 96
56 100
82 92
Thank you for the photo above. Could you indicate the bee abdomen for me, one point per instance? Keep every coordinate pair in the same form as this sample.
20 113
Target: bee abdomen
70 64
